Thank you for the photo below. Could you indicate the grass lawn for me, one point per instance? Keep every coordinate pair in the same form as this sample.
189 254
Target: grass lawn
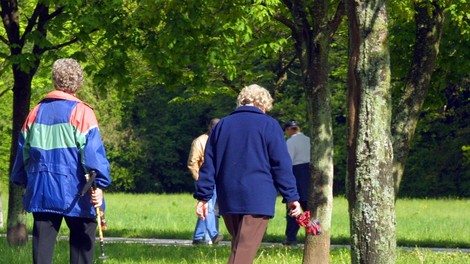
420 223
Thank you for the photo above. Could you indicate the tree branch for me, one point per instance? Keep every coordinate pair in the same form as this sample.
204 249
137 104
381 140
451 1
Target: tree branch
337 19
4 40
31 22
59 46
286 22
4 91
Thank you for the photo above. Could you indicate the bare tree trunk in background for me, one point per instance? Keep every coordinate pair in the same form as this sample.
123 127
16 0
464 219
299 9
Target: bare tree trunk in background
1 208
429 21
370 183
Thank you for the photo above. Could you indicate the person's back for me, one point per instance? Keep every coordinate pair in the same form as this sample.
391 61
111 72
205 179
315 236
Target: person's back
245 162
299 148
246 143
59 143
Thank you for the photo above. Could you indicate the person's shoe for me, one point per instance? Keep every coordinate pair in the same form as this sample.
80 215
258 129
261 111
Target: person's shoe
217 239
200 242
289 243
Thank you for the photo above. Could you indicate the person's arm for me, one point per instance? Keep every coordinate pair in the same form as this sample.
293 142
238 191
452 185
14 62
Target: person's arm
97 197
291 149
294 208
91 147
205 185
281 164
202 209
194 159
18 172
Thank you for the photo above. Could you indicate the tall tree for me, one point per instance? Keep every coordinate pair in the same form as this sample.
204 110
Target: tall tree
370 187
312 31
429 22
33 30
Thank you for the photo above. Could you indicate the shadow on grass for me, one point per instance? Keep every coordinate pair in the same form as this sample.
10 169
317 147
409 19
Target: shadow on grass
434 244
161 234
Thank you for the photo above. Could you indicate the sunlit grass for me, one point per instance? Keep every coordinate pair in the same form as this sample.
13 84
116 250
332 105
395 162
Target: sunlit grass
122 253
420 223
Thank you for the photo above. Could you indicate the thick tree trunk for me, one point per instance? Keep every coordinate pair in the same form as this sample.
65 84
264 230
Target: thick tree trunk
370 179
16 222
429 20
23 73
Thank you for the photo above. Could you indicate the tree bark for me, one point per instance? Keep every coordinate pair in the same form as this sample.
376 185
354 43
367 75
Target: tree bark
16 223
429 21
22 76
1 208
312 32
370 180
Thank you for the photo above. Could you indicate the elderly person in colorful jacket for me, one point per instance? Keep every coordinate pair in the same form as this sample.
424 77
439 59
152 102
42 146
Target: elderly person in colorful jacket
246 159
59 143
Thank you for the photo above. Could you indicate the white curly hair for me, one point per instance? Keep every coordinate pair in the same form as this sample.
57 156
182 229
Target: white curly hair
67 75
257 96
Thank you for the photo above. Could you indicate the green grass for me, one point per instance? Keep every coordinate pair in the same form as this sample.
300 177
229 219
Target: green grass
121 253
420 223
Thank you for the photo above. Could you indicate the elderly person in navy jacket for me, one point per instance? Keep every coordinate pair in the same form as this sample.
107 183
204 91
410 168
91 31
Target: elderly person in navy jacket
246 157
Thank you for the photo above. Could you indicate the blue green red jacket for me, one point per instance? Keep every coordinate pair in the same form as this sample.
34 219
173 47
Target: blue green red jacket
59 143
246 157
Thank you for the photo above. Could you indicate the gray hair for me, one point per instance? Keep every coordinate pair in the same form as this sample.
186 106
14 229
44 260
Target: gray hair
67 75
256 95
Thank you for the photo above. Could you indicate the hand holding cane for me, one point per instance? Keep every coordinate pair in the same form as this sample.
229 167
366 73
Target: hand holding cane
91 182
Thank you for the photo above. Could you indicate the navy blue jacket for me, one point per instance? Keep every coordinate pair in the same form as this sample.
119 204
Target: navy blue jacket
246 158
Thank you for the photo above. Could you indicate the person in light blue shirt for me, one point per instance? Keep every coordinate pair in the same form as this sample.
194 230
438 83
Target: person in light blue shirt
298 146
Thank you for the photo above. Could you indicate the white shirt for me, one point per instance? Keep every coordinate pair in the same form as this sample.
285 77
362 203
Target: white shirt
298 146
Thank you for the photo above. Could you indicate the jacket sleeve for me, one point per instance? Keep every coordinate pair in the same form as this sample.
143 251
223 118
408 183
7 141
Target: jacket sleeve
91 148
194 159
281 164
206 182
18 172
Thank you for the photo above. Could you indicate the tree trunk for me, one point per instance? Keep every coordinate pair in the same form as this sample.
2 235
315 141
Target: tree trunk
318 95
370 178
16 222
312 32
429 20
1 208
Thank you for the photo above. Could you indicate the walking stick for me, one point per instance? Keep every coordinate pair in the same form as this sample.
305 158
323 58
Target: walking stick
91 182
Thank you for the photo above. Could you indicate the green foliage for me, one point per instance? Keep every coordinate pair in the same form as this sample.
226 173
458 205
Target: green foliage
158 70
5 136
160 129
437 166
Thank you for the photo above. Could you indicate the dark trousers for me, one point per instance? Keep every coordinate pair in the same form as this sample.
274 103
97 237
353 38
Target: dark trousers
82 237
292 228
247 233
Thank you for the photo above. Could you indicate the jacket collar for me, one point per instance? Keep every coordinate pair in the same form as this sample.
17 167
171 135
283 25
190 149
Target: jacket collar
246 108
60 95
